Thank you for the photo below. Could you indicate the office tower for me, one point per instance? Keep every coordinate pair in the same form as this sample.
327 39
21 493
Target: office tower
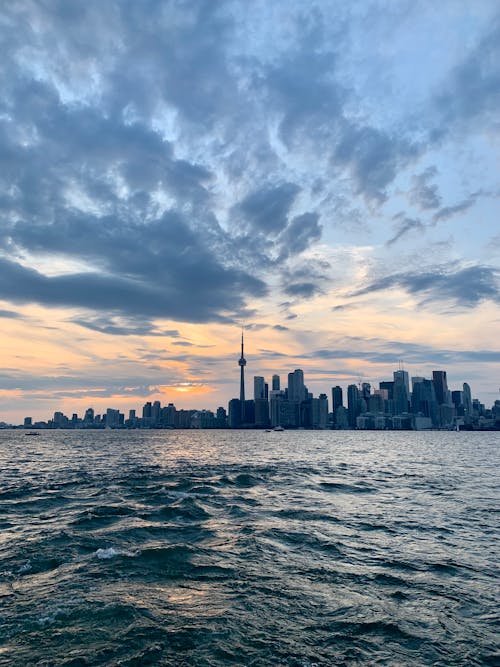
146 411
261 412
234 410
275 399
242 362
155 412
259 387
296 389
387 386
89 416
353 404
423 399
320 411
441 387
376 402
131 415
467 399
221 417
249 411
276 383
168 415
401 392
366 391
337 399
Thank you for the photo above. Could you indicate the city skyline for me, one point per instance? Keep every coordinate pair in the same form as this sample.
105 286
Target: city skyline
324 176
430 398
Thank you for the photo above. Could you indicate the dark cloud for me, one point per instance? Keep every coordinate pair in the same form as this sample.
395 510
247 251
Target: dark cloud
122 326
424 194
11 315
302 231
465 287
472 93
267 209
303 290
280 327
449 211
184 294
405 226
374 158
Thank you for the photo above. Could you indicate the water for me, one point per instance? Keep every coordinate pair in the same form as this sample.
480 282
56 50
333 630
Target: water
217 548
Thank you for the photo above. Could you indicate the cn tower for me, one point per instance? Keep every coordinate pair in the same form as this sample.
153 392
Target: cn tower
242 362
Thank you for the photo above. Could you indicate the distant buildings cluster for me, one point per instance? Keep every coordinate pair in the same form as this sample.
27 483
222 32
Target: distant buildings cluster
428 404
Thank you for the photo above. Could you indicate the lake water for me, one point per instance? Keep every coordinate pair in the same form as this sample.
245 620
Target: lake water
218 548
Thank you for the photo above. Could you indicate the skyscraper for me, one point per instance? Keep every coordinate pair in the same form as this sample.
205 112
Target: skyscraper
353 404
441 387
401 392
259 387
242 362
296 390
337 399
276 383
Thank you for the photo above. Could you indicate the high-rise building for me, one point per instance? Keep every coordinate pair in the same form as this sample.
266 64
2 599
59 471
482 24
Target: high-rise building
401 392
242 362
155 412
467 400
296 389
234 418
320 411
276 383
366 391
259 387
353 404
423 399
337 399
146 411
441 387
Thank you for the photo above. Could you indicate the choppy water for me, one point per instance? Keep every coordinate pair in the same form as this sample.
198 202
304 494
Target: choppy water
239 548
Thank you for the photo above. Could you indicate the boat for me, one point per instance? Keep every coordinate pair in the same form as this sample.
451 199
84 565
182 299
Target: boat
278 428
32 433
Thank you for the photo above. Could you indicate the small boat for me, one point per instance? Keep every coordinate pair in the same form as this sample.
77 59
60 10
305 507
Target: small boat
278 428
32 433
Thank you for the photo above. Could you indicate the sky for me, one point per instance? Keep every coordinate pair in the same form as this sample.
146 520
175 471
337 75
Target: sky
324 174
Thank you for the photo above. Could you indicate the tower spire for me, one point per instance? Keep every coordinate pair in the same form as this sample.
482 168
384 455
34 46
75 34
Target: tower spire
242 362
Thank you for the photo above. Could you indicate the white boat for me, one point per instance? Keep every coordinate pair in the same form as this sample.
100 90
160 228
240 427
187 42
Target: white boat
278 428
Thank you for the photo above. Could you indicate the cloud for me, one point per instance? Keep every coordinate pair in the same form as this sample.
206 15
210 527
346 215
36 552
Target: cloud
206 286
405 226
424 194
122 326
303 290
465 287
11 315
449 211
374 158
302 231
267 209
471 96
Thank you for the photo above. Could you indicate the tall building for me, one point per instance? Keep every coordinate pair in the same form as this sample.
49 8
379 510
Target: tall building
337 399
242 362
353 404
401 392
467 400
441 387
276 383
296 389
259 387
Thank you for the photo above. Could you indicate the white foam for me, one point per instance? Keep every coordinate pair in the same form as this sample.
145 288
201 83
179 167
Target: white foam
111 552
